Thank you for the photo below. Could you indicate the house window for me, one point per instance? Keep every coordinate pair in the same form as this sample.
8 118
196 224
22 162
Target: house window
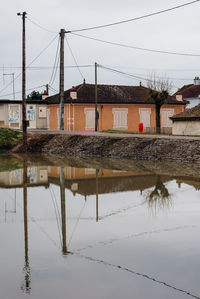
166 122
145 117
120 118
42 112
89 119
14 115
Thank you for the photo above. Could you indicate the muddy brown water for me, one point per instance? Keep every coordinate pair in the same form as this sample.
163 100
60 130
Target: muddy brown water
98 228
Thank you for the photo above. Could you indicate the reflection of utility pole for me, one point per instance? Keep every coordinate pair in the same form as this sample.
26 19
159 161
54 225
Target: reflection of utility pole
13 82
63 211
26 286
97 196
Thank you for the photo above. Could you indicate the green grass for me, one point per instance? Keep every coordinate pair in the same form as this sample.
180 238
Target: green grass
118 132
125 132
9 163
9 138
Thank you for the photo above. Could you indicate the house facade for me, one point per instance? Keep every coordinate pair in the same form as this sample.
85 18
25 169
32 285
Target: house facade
11 114
187 123
119 108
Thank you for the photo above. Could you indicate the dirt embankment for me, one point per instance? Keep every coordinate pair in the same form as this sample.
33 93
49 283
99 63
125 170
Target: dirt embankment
152 149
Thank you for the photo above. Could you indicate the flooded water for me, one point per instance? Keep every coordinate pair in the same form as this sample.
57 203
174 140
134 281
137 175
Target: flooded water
103 229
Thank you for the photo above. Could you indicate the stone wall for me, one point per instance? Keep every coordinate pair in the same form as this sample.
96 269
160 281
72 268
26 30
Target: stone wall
152 149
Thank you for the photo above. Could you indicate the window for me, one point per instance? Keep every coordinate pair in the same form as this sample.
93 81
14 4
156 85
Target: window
166 122
120 118
89 119
14 115
42 112
145 117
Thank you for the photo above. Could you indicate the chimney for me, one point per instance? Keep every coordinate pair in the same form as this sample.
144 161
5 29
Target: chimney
45 93
73 93
179 97
196 81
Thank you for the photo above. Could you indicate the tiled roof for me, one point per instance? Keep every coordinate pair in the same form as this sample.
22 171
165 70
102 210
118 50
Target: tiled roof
111 94
193 91
189 114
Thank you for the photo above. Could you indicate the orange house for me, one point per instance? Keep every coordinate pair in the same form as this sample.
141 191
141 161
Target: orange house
119 107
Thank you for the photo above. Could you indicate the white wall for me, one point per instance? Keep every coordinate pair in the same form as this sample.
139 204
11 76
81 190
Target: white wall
186 128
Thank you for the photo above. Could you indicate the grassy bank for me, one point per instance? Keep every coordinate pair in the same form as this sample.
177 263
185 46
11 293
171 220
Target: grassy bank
9 138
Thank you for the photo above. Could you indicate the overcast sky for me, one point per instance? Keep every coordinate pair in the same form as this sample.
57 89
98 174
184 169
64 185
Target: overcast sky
177 31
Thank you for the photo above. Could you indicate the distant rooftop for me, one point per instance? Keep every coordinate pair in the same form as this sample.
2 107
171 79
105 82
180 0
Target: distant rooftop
189 114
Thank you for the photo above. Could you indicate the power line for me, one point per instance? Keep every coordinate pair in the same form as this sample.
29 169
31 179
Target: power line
52 78
137 48
74 58
135 19
5 95
30 63
41 27
53 89
126 74
44 50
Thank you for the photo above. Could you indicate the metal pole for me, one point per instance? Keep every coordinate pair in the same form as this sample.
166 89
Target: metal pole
61 91
24 124
96 98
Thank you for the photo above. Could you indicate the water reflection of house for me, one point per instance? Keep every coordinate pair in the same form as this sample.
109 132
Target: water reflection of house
194 182
83 180
36 176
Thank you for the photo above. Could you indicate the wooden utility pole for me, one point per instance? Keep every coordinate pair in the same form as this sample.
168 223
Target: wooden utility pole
24 123
61 89
96 98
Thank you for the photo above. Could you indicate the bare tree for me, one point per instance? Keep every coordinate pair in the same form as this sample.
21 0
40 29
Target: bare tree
159 91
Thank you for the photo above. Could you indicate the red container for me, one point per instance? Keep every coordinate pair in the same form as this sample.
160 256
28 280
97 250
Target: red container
140 127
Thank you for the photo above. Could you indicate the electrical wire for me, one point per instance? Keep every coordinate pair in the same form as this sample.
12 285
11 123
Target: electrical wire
41 27
48 67
135 19
5 95
55 62
127 74
49 44
53 89
74 58
137 48
29 64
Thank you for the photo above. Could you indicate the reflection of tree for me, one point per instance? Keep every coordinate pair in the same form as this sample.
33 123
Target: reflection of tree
159 197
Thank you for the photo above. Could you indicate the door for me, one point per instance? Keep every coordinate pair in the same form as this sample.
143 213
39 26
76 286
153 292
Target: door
31 116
